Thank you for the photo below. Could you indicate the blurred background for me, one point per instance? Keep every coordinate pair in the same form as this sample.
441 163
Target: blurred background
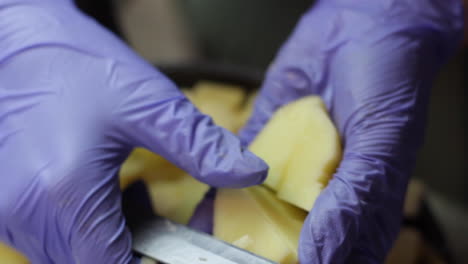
245 35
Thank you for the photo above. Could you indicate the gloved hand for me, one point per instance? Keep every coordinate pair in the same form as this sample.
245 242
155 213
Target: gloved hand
373 63
74 101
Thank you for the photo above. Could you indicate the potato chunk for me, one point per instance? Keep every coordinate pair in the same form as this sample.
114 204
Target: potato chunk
302 148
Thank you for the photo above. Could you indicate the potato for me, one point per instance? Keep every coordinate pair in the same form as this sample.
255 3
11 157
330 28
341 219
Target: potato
302 148
220 101
10 256
174 193
255 220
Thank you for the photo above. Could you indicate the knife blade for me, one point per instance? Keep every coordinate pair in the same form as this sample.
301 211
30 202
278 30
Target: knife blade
172 243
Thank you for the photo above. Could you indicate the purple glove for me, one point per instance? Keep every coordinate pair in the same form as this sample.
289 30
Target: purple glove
74 101
373 63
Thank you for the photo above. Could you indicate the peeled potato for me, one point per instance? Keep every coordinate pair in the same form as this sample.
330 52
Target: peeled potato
255 220
177 199
220 101
302 148
10 256
231 96
174 193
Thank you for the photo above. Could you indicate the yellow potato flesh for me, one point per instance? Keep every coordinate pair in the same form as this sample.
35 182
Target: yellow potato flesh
177 199
220 101
10 256
255 220
302 148
174 193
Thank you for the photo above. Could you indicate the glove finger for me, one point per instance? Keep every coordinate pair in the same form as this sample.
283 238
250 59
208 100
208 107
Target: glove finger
154 114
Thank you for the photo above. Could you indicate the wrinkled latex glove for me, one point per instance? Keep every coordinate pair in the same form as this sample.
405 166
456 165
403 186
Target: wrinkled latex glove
74 101
373 63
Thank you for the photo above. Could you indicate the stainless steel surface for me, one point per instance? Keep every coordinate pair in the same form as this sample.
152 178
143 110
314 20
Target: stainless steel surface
172 243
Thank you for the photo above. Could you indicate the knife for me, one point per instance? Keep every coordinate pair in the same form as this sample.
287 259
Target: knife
171 243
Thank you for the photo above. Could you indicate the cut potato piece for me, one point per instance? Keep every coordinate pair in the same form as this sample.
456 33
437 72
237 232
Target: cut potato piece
302 148
220 101
176 199
10 256
255 220
174 193
145 165
230 95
